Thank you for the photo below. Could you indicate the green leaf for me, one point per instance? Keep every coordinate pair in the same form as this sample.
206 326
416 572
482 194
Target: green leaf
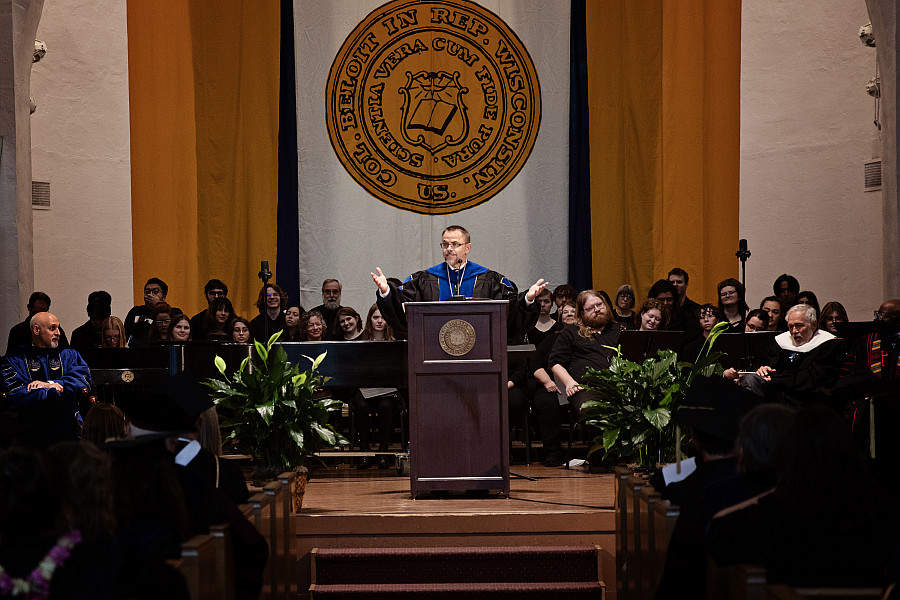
220 364
261 351
609 438
659 417
319 360
244 364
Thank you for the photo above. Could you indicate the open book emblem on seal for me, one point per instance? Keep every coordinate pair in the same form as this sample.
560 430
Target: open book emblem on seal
434 115
457 337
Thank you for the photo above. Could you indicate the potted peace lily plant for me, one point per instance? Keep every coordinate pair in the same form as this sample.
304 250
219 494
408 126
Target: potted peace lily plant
639 399
268 409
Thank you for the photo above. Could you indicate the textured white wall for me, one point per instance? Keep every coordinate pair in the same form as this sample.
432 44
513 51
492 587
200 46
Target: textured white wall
806 129
80 144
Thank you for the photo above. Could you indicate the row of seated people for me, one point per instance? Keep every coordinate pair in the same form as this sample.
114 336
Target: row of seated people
780 487
101 516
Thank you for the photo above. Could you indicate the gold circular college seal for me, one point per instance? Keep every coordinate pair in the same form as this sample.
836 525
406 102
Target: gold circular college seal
457 337
127 376
433 106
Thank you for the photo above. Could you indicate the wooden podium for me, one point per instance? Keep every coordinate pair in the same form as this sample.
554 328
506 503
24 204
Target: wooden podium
458 419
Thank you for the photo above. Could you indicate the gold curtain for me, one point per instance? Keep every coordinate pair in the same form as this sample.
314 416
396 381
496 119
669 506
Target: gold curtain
203 85
664 101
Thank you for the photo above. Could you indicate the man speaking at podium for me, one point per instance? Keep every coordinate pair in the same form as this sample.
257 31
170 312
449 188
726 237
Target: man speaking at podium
457 277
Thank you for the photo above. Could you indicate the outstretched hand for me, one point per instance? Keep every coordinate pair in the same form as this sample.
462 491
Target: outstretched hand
535 290
381 281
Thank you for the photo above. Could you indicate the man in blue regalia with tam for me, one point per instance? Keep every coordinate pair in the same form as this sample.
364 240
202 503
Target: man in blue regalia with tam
457 277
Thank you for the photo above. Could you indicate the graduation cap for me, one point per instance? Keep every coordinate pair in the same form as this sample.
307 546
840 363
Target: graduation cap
714 406
171 406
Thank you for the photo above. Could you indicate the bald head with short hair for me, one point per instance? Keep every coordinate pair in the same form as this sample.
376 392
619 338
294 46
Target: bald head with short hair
890 309
44 330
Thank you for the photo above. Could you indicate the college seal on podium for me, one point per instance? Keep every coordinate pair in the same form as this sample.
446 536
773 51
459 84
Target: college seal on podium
433 106
457 337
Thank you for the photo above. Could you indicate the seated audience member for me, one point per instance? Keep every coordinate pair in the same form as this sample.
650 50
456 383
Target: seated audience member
213 289
271 304
808 297
709 316
113 333
162 319
732 304
757 320
760 435
331 303
793 531
832 312
349 324
215 324
90 335
174 407
653 315
376 327
180 329
103 422
582 345
20 334
711 412
799 363
772 305
240 331
313 325
624 313
546 397
292 330
42 369
786 288
140 318
49 544
561 295
679 279
545 323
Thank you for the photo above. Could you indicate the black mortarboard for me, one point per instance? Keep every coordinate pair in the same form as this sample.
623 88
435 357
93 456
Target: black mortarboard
714 405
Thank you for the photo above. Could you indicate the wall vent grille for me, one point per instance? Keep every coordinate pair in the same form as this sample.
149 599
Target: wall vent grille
872 171
40 195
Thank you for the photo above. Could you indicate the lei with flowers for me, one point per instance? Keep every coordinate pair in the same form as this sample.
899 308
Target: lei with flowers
37 585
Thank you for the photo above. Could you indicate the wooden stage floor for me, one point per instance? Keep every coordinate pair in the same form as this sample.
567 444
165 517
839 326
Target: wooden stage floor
373 508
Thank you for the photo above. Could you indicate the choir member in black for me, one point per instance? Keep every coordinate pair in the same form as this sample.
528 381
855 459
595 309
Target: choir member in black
349 323
215 323
20 333
180 329
546 397
331 303
545 324
113 333
586 344
272 302
140 317
89 335
624 309
240 331
292 330
313 325
732 304
832 312
213 289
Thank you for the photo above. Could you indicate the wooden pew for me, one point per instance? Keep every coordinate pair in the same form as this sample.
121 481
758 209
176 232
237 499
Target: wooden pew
198 565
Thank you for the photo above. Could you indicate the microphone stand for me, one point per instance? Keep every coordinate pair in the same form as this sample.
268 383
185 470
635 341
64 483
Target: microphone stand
265 275
743 254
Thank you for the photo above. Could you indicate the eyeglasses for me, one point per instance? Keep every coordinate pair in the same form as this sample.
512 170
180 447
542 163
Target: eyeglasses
448 245
726 294
883 316
593 308
217 294
152 291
